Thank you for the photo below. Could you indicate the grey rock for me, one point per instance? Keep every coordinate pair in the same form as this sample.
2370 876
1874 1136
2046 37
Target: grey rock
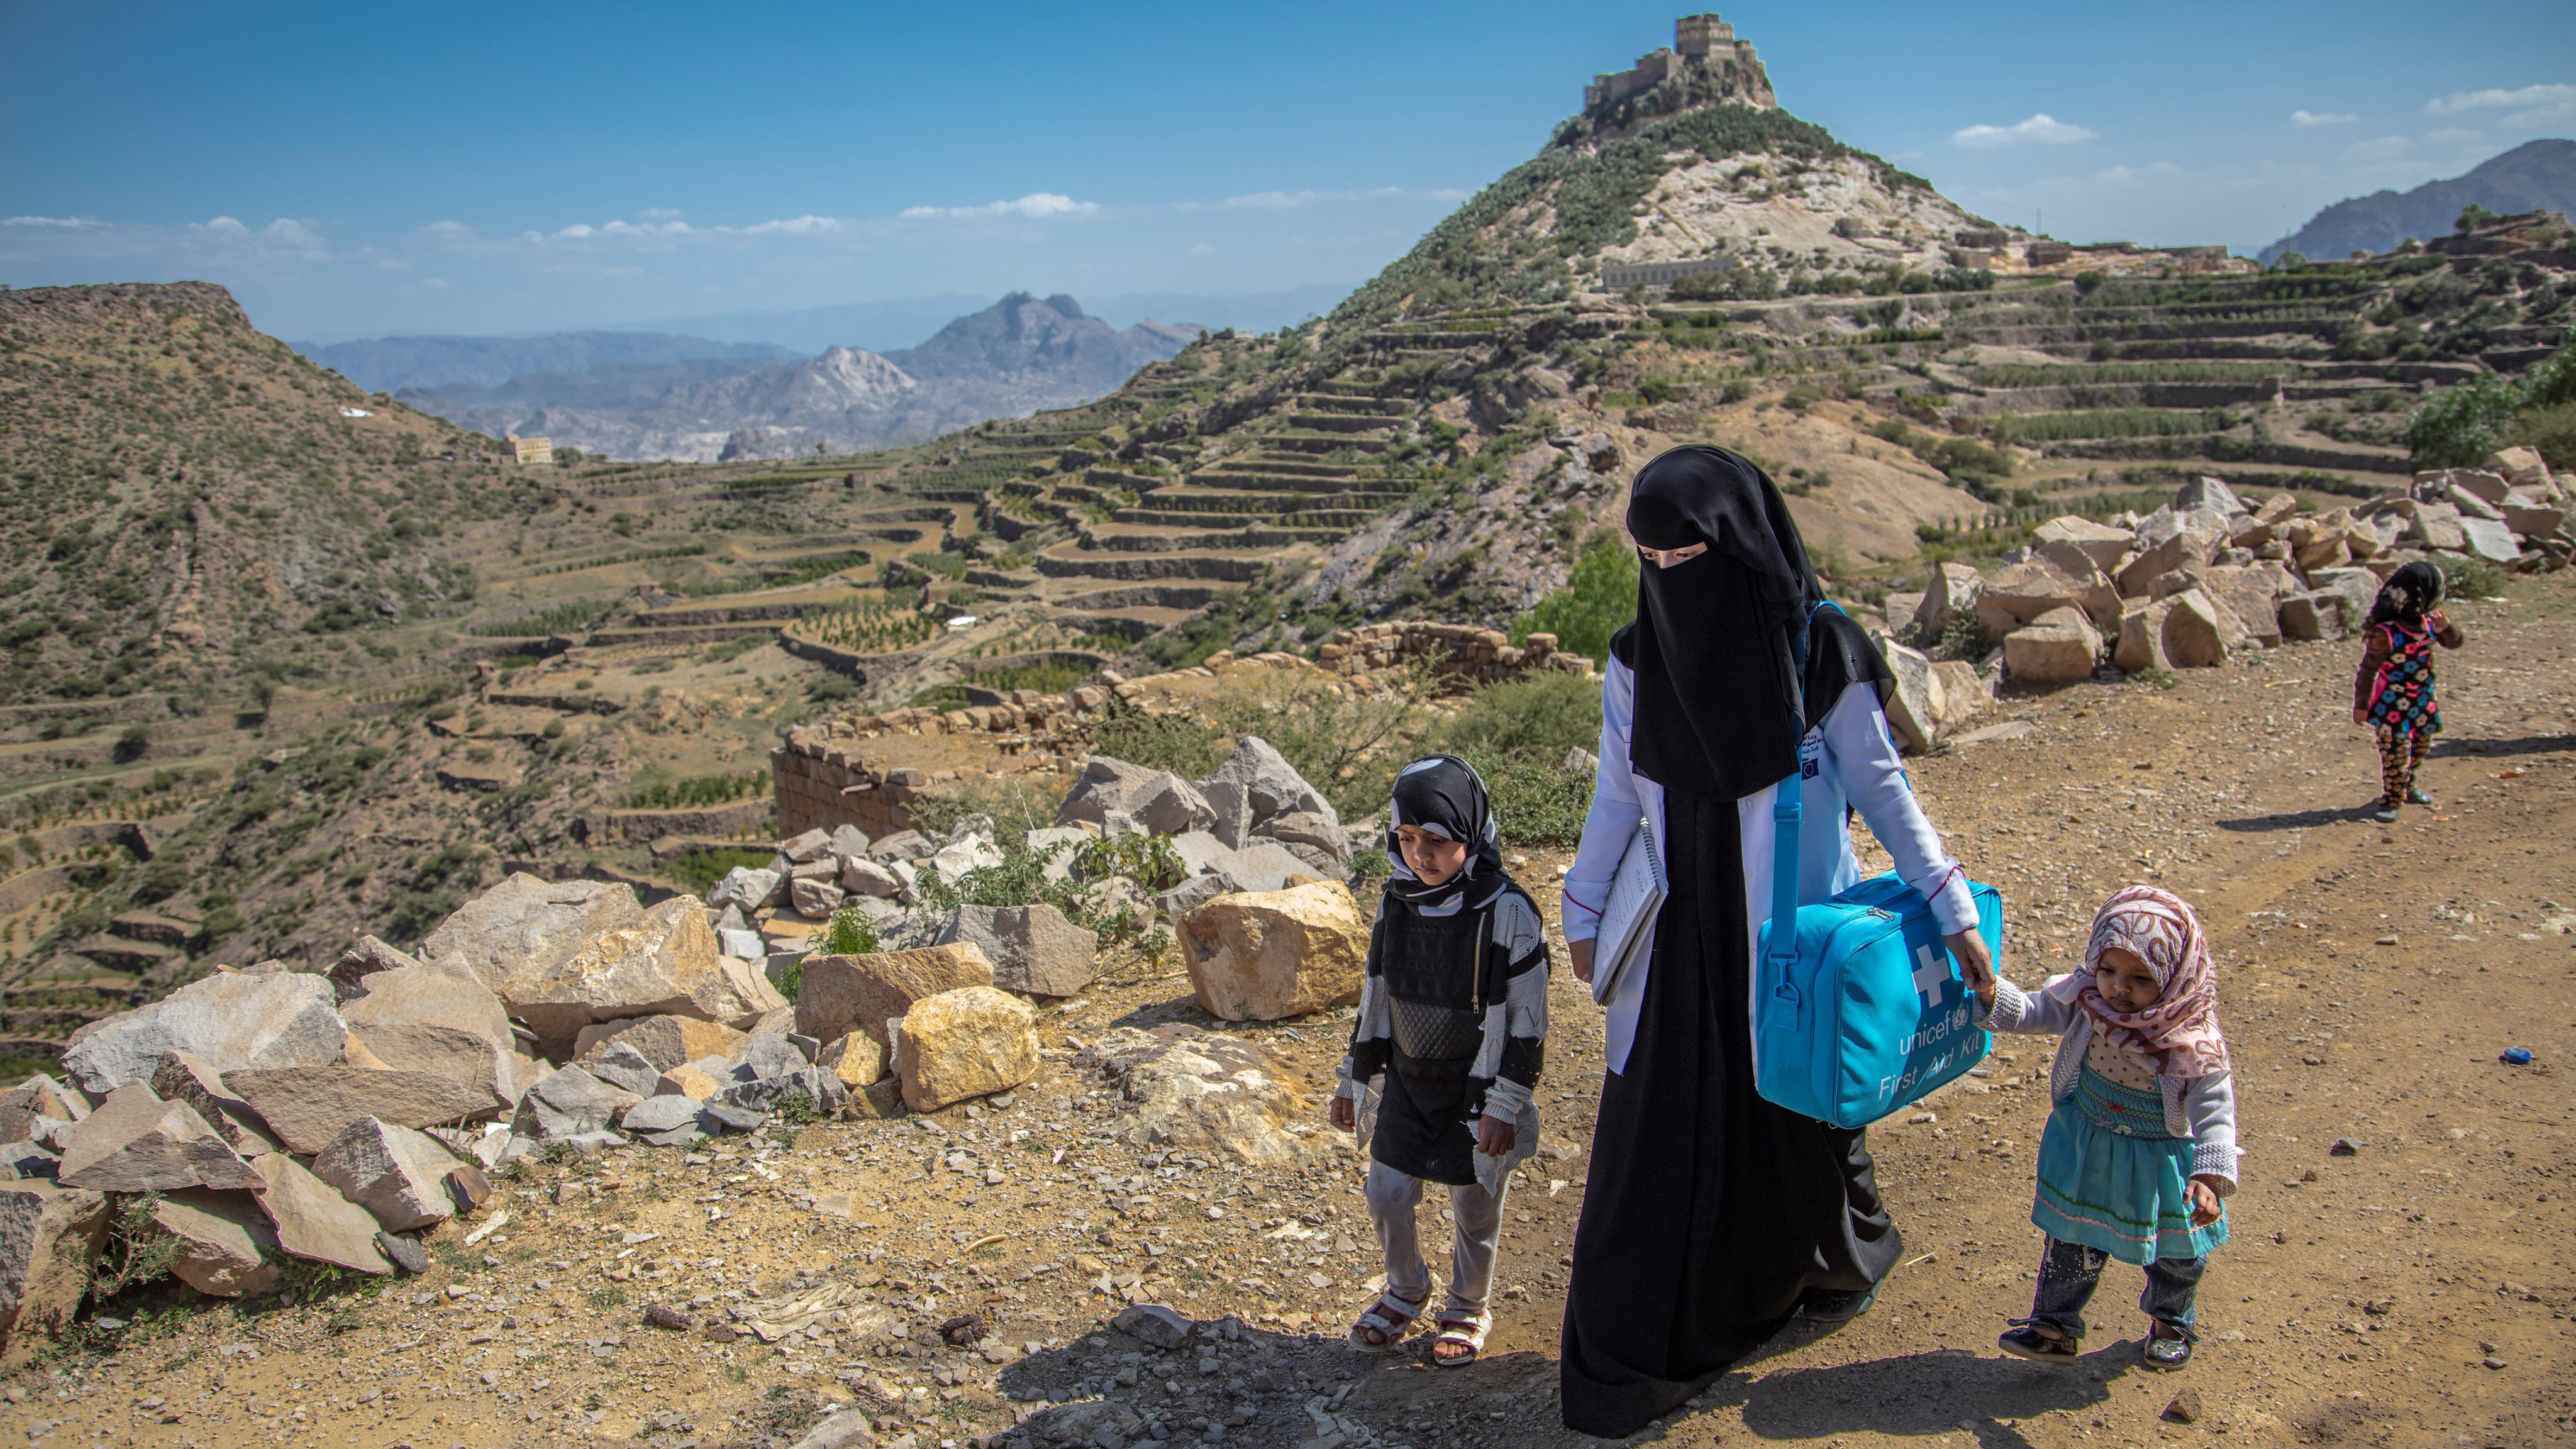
569 1104
746 888
1263 866
1155 1324
825 869
1231 802
1170 805
2209 494
769 1056
864 877
742 945
971 852
1199 851
403 1251
730 1118
1274 785
225 1246
439 1018
620 1064
2491 540
527 924
1034 949
812 845
305 1107
814 899
136 1142
680 1136
848 840
2316 615
1105 785
186 1077
1300 828
660 1114
49 1238
902 845
1058 843
313 1221
369 957
229 1020
1191 894
764 1094
397 1174
844 1430
731 918
25 1160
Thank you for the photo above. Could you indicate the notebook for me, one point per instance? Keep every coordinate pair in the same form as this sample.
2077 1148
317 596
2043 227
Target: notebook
1637 892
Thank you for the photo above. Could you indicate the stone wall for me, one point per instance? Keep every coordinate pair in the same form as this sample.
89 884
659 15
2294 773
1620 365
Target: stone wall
1452 651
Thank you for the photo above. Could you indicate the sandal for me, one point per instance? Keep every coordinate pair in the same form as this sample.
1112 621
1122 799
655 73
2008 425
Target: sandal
2385 814
1387 1319
2165 1354
1460 1330
2039 1347
2416 796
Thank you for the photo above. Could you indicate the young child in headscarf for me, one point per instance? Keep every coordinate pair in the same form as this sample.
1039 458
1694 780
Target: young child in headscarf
1446 1051
2392 692
2140 1152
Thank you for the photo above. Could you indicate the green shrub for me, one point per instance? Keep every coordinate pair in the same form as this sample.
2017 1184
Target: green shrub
698 791
1534 803
2458 426
699 870
1600 595
851 933
2551 430
1535 719
2472 578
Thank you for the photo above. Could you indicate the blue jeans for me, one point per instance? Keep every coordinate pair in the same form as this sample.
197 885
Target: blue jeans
2069 1272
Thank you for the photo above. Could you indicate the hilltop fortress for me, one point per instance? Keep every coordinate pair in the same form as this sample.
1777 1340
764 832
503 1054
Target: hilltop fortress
1705 63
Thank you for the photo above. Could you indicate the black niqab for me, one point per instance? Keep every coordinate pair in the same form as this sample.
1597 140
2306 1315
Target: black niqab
1719 704
1444 795
2407 594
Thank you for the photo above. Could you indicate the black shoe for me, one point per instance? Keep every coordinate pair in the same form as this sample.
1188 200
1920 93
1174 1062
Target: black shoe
2038 1347
1830 1306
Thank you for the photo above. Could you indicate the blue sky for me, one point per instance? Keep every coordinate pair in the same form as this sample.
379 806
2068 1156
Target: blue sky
356 170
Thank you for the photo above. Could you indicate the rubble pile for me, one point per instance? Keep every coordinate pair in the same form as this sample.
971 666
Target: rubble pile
2205 578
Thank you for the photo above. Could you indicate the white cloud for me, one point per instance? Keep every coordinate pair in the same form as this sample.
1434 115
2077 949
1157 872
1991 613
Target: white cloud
660 213
575 231
1294 200
2041 127
2386 148
1032 206
1202 249
2321 118
69 223
2532 106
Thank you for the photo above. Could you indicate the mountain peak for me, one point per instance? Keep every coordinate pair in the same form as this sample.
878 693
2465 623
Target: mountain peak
2534 176
1706 65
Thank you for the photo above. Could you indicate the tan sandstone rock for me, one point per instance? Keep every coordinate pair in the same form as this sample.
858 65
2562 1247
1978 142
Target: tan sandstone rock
970 1042
2199 631
857 1059
1264 955
665 1041
313 1221
527 925
440 1018
49 1236
305 1107
842 994
226 1247
2059 647
135 1142
663 962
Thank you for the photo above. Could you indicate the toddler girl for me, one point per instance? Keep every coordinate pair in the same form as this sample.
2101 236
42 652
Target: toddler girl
2141 1148
1446 1051
2393 690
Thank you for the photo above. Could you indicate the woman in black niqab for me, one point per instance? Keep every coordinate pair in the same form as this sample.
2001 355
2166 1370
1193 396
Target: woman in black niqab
1711 1215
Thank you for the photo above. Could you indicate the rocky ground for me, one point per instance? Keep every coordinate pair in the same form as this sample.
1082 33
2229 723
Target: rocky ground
2396 1272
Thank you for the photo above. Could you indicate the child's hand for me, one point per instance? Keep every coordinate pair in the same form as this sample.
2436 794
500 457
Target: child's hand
1975 966
1495 1135
1343 1114
2361 716
2203 1192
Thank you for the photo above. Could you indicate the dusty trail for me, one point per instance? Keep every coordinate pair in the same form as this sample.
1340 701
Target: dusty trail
2417 1291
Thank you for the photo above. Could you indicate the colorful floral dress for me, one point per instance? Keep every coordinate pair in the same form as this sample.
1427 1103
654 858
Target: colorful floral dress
2401 697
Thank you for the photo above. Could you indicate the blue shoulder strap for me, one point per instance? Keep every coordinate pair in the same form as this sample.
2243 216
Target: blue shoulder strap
1782 950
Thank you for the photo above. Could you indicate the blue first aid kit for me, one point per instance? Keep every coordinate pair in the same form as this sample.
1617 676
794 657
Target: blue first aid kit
1859 1007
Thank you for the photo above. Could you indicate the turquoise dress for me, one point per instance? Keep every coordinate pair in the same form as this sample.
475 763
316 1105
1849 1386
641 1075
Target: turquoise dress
2112 1177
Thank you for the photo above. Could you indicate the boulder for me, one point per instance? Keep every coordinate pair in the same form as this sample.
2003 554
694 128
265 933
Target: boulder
2168 540
313 1221
1177 1085
1263 865
368 957
229 1020
1960 693
2313 615
395 1173
1154 1324
970 1042
661 1114
2534 520
1193 893
1034 949
2208 495
857 1059
1262 956
2278 509
136 1142
1299 827
661 962
2096 595
226 1248
1914 706
2199 631
864 877
747 888
305 1107
524 925
2141 644
2019 593
970 852
813 845
1269 783
438 1017
2490 539
1199 851
38 1096
1170 805
2432 526
2103 545
815 900
570 1103
843 994
664 1041
849 841
2522 467
767 1055
1104 785
822 1090
1951 593
2253 594
693 1080
2359 588
49 1237
1057 844
2060 647
903 845
621 1065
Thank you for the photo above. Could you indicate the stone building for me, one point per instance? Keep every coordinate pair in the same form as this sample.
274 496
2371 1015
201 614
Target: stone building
528 450
1705 59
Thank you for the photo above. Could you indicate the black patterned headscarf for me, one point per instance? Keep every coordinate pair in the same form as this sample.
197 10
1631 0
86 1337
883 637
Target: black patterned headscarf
2407 594
1444 795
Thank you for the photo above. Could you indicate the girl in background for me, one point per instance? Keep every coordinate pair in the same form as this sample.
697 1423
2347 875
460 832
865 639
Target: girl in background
2392 692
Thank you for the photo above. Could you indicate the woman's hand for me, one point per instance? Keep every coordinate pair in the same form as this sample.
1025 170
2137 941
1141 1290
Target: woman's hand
1343 1113
1976 967
2203 1192
1495 1135
1581 952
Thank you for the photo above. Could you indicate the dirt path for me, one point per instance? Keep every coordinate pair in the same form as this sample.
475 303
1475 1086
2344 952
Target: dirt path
2417 1291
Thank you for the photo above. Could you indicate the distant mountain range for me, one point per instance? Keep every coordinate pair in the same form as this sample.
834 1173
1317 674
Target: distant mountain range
1013 358
2534 176
904 322
389 364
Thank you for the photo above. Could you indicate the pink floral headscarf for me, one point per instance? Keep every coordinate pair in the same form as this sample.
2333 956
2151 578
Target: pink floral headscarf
2180 1032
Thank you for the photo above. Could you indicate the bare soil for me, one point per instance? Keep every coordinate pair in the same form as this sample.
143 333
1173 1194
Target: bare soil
2418 1290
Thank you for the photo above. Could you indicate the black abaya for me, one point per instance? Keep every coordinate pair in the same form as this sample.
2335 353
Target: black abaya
1708 1211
